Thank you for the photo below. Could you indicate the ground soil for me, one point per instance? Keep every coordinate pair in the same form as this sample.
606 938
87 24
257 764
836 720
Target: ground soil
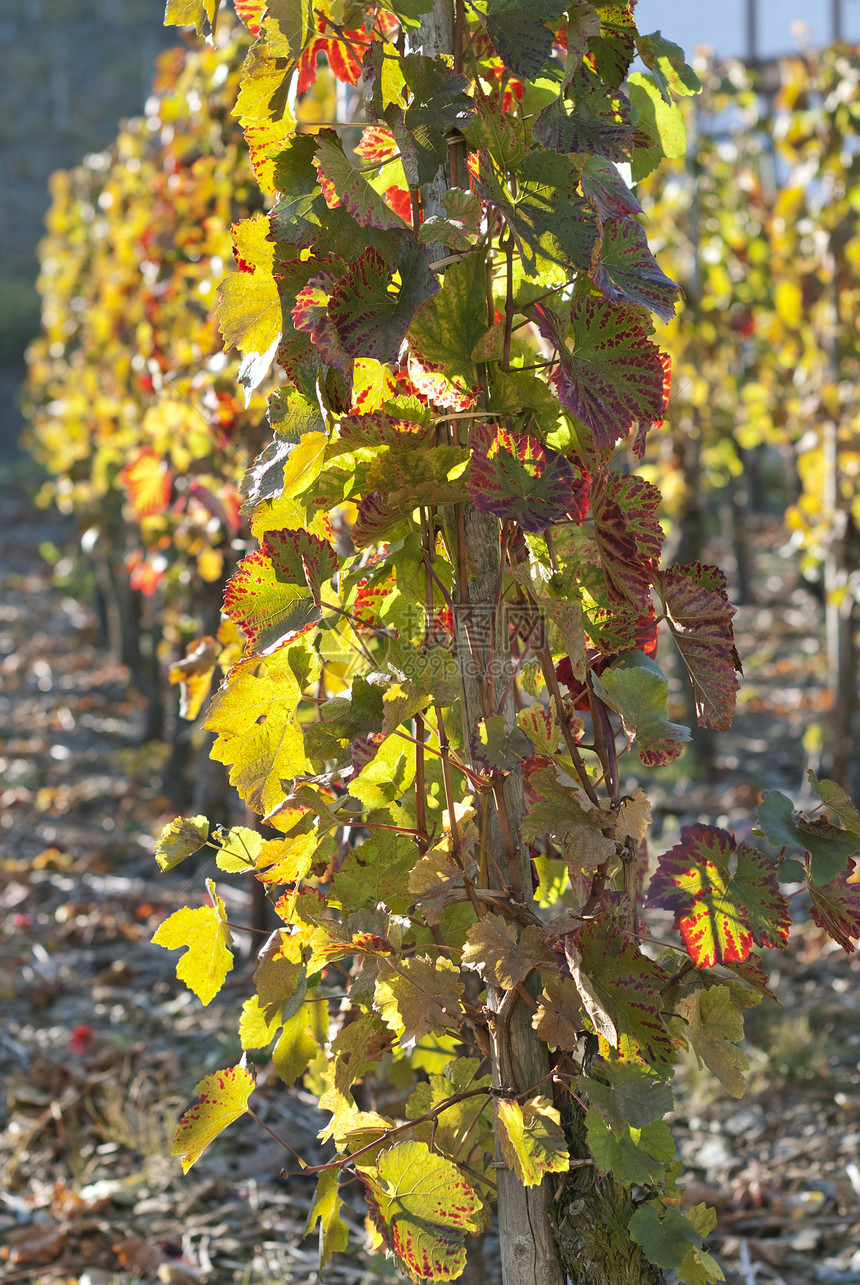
102 1046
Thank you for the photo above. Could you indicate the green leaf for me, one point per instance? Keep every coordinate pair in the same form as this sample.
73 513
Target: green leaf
699 616
725 897
663 122
498 747
614 376
532 1139
548 219
596 122
204 935
836 798
516 28
447 328
333 1231
714 1029
628 272
699 1268
423 1207
438 105
292 416
258 736
605 188
666 60
620 991
665 1241
626 1094
179 838
462 226
299 1041
223 1098
370 314
375 873
631 1155
636 689
829 848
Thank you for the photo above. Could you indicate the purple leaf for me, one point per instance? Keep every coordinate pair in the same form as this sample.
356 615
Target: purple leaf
614 376
628 271
370 319
517 479
699 616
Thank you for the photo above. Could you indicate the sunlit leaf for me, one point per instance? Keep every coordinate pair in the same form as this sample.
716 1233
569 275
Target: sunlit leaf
179 838
532 1139
223 1098
204 935
725 897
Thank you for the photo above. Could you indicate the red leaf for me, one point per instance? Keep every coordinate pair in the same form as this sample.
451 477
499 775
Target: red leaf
700 618
628 535
628 271
721 913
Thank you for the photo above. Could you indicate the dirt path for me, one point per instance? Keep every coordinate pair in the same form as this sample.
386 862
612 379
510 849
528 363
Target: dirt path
102 1048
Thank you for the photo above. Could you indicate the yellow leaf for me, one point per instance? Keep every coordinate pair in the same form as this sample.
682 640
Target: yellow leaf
223 1098
254 715
249 311
204 933
299 1041
373 385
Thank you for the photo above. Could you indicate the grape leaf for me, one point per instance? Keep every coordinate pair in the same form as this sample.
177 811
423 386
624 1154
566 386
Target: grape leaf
665 1241
278 972
662 122
423 1207
517 479
370 315
447 328
547 218
223 1098
596 122
199 14
636 689
302 1035
362 201
721 914
497 747
614 48
620 991
204 935
714 1029
631 1155
194 675
628 536
626 1094
437 105
421 997
291 419
275 592
375 873
627 271
605 188
666 61
557 1019
836 909
179 838
699 616
491 948
240 847
249 305
516 28
614 376
532 1139
836 798
830 849
325 1210
459 227
258 737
